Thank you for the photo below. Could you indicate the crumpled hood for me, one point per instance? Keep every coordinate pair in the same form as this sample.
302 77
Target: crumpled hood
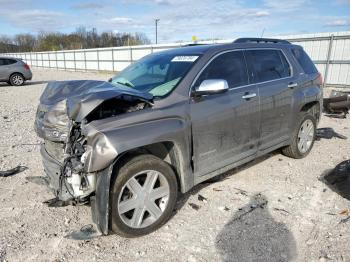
63 101
83 96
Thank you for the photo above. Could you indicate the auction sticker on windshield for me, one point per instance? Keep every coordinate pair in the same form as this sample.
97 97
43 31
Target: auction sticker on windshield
191 58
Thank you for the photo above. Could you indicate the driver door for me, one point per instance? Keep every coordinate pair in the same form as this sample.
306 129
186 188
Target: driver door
225 126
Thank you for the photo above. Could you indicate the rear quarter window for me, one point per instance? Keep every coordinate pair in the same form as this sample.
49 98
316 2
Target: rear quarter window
304 60
268 64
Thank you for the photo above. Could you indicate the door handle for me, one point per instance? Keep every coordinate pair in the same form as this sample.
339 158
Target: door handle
248 96
292 85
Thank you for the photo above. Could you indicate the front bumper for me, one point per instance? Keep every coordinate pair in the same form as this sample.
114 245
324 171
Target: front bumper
52 169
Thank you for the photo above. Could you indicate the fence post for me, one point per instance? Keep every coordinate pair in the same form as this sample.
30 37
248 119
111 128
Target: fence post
48 55
329 53
131 60
98 60
112 59
85 60
64 61
56 60
75 63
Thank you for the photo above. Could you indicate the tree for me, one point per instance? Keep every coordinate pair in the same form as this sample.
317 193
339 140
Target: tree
80 39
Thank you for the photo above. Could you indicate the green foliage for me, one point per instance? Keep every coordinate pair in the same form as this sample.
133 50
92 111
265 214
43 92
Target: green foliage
80 39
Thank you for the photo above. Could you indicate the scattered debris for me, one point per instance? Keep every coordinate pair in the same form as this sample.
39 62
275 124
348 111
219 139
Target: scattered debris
344 212
194 206
13 171
323 255
241 191
224 208
281 210
260 203
66 221
345 220
328 133
27 144
217 189
337 105
202 198
39 180
339 179
85 233
5 117
56 202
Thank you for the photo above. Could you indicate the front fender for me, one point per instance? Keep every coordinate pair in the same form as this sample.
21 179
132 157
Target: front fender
104 145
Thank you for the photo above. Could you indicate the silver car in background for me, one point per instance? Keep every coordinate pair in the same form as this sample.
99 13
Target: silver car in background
14 71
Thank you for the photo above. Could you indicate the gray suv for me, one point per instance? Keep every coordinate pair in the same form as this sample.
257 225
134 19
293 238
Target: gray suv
14 71
170 121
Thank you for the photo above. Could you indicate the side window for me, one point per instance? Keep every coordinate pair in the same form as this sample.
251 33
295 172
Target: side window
2 62
268 65
11 61
304 61
229 66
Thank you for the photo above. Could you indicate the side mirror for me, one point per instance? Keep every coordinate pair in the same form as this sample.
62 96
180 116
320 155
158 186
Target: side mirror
110 80
211 86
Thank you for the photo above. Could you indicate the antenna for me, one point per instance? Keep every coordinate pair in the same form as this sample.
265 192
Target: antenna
262 33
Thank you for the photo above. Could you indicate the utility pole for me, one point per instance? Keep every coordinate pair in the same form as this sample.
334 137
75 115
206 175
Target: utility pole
157 20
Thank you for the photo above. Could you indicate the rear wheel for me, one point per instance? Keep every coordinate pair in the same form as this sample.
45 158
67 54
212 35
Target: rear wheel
143 196
16 79
303 138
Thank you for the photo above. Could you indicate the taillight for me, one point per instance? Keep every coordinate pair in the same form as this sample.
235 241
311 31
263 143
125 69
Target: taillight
319 80
26 66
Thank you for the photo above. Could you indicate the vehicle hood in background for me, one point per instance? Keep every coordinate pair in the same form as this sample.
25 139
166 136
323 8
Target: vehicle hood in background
63 101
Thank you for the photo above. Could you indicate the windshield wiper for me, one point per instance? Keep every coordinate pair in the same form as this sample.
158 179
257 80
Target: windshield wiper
125 84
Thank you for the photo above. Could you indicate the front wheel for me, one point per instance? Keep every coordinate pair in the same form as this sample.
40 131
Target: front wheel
143 196
303 138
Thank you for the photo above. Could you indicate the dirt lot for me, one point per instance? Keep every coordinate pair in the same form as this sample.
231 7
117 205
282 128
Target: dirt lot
297 216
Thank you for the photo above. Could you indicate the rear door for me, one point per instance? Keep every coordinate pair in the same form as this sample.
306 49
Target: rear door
3 69
272 73
225 127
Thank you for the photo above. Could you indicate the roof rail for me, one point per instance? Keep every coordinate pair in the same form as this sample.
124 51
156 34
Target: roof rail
194 44
260 40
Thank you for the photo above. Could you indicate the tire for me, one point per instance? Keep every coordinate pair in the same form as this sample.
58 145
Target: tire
295 151
16 79
134 215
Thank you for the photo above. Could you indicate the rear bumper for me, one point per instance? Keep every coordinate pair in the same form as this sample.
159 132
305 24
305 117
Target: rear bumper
28 75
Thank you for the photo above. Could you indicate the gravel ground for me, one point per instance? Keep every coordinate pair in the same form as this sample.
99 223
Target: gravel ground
293 214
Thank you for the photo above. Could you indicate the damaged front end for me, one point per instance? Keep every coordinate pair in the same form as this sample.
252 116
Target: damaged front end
65 109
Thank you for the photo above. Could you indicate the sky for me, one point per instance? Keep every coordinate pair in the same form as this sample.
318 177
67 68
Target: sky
179 19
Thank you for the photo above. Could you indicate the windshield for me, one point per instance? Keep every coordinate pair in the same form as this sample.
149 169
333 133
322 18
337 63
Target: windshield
157 74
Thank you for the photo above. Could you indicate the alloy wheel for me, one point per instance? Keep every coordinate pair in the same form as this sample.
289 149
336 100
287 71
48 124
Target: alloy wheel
17 80
143 199
306 136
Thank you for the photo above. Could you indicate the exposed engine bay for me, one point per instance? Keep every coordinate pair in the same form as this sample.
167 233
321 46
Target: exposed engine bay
63 116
